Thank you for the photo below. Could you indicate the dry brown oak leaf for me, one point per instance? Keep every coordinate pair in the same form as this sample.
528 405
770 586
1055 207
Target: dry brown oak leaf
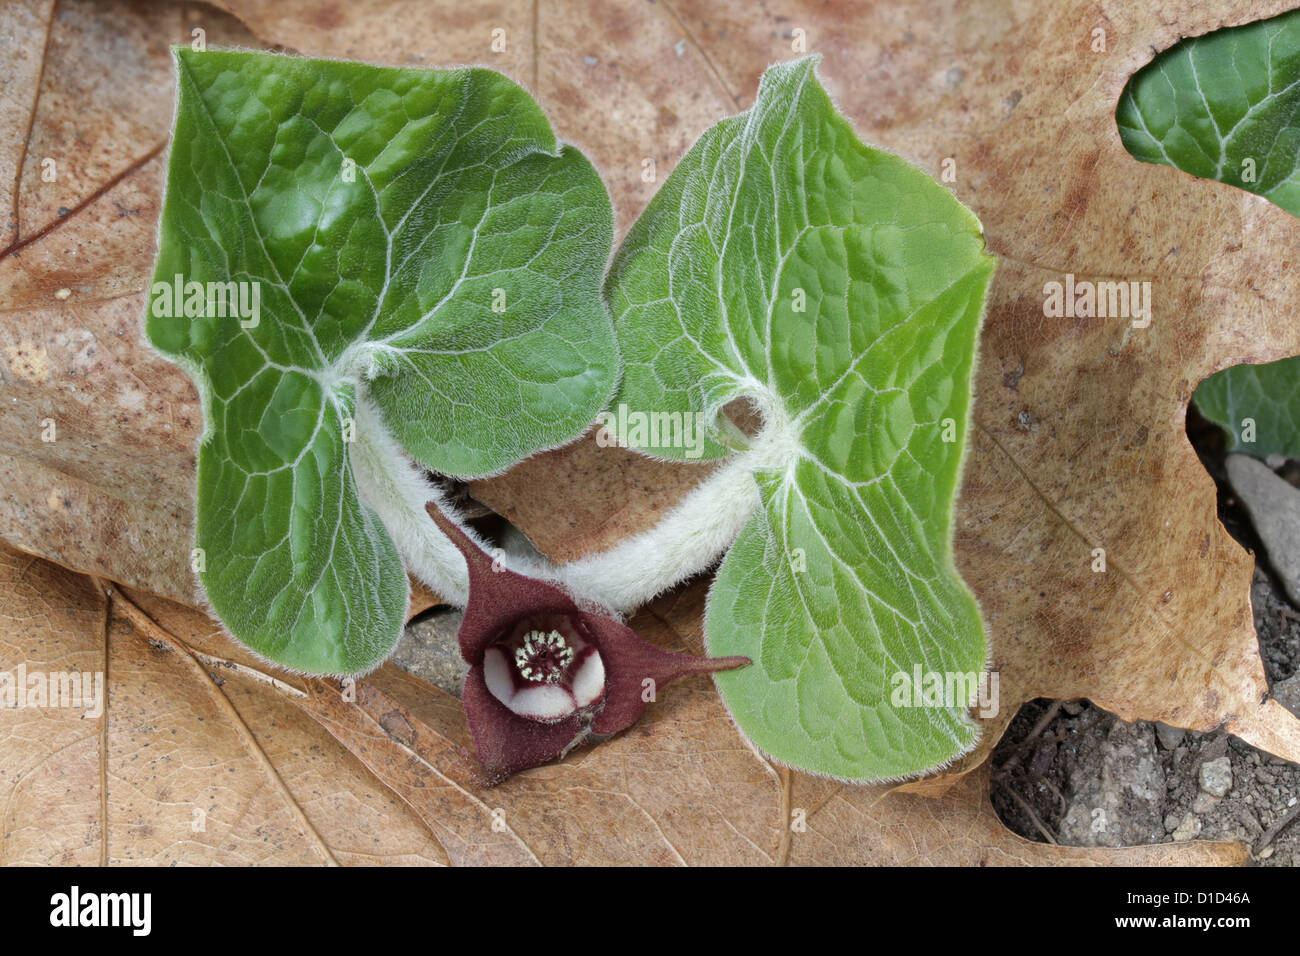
198 756
1079 439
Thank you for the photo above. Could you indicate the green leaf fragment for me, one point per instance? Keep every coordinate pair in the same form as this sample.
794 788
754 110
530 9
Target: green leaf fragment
416 239
1257 405
841 290
1226 106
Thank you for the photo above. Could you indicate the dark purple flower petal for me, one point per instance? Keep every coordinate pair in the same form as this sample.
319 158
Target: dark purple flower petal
535 659
507 743
497 596
630 662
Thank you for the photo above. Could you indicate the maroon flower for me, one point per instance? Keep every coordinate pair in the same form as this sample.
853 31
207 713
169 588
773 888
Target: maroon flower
544 674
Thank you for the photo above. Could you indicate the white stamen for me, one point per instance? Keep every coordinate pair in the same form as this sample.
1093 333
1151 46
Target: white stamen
554 645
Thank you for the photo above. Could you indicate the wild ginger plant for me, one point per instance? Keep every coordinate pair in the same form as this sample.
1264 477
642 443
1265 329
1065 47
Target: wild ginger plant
431 296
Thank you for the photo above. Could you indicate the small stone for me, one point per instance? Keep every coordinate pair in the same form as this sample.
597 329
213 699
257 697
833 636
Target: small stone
1274 507
1189 829
1265 853
63 294
1287 693
1169 737
1171 822
429 650
1250 821
1204 803
1216 776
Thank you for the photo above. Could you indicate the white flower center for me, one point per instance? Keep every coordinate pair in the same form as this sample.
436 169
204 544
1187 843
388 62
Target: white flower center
544 669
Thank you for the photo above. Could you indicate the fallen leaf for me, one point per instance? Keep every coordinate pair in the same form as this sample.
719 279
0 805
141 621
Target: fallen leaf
203 756
113 491
1080 442
1210 106
189 761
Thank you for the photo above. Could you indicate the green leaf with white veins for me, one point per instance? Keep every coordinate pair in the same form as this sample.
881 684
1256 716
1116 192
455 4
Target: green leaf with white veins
841 290
425 260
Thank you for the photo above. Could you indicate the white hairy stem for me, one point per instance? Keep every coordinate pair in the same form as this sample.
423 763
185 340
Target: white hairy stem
686 541
396 487
690 537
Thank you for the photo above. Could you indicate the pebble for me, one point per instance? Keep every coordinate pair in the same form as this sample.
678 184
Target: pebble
1274 506
1189 829
1169 737
1216 776
1204 803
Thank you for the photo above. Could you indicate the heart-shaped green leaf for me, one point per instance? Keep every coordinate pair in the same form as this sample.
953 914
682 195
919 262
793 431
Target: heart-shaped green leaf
1226 106
410 241
840 290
